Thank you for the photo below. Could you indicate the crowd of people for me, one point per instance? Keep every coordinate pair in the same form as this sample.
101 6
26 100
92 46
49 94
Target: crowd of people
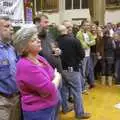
45 69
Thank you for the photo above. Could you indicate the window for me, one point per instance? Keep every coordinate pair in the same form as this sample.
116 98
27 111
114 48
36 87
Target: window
38 4
84 4
47 5
113 2
68 4
76 4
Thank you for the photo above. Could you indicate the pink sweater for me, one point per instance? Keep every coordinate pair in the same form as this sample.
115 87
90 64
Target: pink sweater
34 83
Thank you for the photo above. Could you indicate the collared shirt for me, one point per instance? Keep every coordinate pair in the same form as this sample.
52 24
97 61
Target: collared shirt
87 39
7 69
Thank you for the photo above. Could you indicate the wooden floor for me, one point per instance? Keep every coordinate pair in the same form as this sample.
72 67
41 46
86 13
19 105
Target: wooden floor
100 103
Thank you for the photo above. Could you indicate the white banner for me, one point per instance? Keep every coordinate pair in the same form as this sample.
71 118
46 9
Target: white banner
14 9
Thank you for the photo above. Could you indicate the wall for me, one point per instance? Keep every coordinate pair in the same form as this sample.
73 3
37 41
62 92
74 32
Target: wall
110 16
69 15
77 15
53 17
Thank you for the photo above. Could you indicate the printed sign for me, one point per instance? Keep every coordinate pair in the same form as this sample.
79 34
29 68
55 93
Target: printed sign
14 9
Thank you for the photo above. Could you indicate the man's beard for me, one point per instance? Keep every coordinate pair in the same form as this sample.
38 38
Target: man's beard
42 33
7 40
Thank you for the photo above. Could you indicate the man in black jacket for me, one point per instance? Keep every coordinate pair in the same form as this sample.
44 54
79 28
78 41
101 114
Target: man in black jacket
72 54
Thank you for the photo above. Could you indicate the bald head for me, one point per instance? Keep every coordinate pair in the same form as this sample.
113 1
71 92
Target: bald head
62 29
68 24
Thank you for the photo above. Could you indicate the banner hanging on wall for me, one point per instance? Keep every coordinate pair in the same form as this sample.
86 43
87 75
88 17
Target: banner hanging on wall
14 9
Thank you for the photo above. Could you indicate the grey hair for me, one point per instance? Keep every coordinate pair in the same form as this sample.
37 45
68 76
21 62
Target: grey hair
5 17
22 37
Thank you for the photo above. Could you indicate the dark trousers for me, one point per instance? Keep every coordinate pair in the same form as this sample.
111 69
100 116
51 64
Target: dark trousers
117 71
107 66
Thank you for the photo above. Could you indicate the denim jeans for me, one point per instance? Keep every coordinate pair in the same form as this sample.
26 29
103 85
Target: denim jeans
88 72
45 114
94 59
73 82
82 76
117 70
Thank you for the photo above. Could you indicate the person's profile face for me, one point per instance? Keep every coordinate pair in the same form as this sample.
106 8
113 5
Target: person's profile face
44 23
6 30
34 44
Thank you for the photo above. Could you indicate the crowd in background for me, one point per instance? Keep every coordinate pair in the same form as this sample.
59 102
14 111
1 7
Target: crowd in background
47 67
102 48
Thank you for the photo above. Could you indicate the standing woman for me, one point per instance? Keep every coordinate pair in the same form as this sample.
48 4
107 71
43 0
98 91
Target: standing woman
116 38
107 58
36 79
93 48
99 52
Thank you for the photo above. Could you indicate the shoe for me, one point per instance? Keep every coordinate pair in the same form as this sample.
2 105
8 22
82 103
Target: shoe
71 107
83 116
85 92
103 80
110 80
117 83
91 86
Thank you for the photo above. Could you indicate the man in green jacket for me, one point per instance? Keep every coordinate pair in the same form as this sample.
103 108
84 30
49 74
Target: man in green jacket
87 40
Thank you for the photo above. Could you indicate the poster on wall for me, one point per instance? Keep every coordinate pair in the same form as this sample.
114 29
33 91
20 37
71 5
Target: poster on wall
28 5
28 16
14 9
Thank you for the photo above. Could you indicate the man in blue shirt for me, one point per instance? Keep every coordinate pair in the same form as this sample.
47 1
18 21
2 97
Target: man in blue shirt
9 97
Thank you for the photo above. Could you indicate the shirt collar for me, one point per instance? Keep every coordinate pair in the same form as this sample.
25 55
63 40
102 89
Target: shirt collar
4 45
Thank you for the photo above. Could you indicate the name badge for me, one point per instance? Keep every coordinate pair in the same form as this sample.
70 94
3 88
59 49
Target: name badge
4 62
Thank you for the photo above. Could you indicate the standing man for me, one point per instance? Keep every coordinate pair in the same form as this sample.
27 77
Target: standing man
9 97
72 54
87 40
69 27
49 48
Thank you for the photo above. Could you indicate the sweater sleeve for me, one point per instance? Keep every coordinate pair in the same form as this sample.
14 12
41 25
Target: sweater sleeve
37 80
92 40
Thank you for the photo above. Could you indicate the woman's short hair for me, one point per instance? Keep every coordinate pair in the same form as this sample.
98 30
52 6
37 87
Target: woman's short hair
22 37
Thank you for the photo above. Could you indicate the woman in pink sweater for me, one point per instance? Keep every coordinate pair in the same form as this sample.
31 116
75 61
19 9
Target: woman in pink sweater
37 81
